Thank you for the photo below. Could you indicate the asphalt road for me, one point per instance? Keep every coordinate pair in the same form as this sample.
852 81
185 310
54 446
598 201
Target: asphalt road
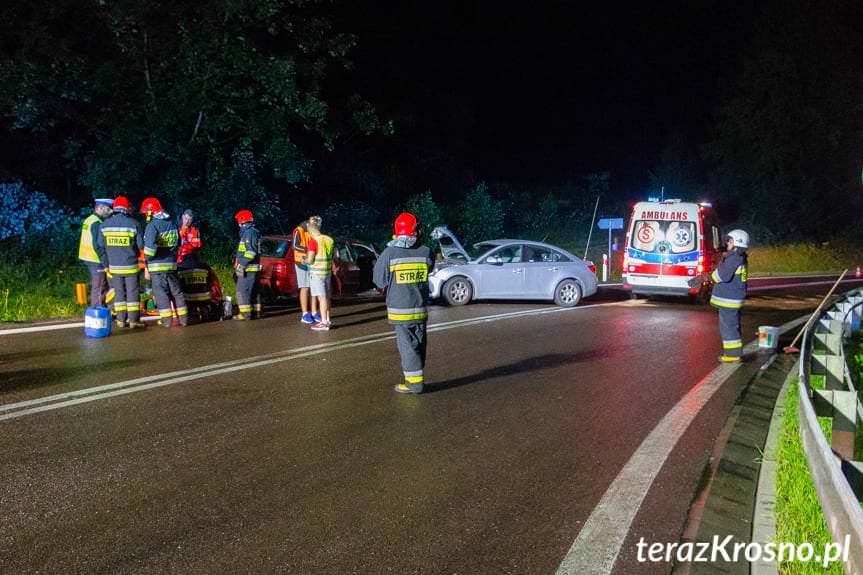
263 447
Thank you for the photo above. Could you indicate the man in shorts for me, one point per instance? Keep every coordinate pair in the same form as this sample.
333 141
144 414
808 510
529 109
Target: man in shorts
320 260
300 241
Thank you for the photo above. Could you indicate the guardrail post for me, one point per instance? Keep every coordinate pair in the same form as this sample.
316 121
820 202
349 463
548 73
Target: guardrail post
827 344
832 367
842 407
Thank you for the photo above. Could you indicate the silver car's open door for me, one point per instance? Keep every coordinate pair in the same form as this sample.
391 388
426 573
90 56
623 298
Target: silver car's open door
450 247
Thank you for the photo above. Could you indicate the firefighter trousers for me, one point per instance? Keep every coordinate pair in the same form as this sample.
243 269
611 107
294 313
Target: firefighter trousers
729 330
127 297
98 285
249 294
411 341
166 288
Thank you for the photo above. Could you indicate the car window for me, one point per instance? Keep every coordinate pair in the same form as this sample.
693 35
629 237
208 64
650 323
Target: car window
343 252
362 251
542 254
509 254
272 248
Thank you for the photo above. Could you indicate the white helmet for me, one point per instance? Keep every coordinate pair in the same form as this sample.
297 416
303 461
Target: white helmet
740 238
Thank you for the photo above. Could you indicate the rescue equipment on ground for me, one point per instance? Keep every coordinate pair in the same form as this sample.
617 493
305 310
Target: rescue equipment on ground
768 336
80 293
97 322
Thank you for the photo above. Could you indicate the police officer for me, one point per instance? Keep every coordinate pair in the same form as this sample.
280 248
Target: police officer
729 293
122 240
161 242
247 265
91 253
403 269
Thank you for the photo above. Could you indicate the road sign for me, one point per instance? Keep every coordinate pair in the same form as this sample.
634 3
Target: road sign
610 224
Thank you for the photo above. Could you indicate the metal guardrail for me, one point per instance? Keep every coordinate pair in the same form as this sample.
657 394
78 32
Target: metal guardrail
838 477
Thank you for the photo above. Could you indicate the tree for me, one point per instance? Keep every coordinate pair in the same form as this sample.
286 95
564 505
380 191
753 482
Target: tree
481 216
428 214
161 96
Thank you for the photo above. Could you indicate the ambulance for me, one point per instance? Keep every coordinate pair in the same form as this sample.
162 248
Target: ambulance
668 243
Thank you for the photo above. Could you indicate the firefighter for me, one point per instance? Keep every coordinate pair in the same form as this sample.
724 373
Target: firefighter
402 270
300 240
729 293
122 240
190 237
161 242
247 265
91 252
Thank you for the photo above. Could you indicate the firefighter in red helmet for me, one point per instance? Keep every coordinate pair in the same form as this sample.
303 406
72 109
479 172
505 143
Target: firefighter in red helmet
247 265
403 270
122 240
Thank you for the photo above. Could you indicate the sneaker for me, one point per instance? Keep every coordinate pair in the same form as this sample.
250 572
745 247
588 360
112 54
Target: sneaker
307 318
321 326
729 358
137 324
241 317
119 324
402 388
317 318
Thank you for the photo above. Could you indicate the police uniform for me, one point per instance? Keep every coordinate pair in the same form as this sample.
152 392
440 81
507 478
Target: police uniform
403 272
729 293
122 240
161 242
248 266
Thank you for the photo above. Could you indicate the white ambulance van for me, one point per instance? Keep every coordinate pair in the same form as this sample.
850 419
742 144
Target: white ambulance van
667 243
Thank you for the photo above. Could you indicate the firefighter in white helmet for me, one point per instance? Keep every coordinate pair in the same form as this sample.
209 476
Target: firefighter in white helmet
729 293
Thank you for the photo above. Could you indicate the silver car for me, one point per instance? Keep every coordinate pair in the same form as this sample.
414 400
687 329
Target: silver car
509 269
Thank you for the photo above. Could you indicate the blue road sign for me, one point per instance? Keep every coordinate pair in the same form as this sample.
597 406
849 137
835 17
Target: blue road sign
610 224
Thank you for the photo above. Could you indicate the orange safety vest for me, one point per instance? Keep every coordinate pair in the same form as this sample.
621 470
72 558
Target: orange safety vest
301 251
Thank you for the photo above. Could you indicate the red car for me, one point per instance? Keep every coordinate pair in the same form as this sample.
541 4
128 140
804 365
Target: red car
353 262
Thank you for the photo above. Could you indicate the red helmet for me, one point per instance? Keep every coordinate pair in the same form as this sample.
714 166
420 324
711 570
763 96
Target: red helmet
121 203
405 225
151 205
243 216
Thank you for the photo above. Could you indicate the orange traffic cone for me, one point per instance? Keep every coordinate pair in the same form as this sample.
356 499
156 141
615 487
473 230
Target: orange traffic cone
857 274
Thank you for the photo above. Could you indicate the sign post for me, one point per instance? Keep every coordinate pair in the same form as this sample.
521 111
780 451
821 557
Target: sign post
609 224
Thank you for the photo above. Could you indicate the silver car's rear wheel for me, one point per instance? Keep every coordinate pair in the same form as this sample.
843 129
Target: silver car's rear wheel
567 293
457 291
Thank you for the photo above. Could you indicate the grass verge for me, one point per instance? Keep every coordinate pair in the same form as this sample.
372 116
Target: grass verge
803 258
798 513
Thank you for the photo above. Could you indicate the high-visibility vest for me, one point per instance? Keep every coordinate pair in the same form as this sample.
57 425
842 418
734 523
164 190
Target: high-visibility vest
86 249
300 251
324 256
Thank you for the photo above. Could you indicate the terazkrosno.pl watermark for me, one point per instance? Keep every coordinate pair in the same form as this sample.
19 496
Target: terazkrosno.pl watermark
726 550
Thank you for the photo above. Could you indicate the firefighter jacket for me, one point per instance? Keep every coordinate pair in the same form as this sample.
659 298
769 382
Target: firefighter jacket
729 281
403 272
161 242
248 250
122 240
89 248
195 280
300 241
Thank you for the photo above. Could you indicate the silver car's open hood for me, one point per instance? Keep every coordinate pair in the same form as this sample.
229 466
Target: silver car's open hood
450 247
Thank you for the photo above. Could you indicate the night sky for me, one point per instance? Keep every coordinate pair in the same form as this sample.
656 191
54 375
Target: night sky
546 92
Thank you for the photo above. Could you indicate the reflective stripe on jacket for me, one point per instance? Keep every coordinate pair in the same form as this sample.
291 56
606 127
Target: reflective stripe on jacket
161 242
301 243
323 264
122 240
87 247
729 281
403 272
248 250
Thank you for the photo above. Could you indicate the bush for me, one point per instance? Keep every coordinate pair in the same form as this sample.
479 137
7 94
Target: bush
481 216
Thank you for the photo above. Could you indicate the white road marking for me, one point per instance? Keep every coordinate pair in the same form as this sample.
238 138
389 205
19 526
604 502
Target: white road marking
598 544
52 402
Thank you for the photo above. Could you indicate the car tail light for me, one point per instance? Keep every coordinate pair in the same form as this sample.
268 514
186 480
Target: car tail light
592 267
279 269
700 268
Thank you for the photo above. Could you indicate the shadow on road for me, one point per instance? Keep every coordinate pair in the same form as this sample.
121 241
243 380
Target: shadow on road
520 367
33 378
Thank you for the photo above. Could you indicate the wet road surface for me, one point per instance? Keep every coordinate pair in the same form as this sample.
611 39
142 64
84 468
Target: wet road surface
293 454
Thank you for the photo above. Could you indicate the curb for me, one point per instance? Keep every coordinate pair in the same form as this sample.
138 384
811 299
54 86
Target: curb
764 517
